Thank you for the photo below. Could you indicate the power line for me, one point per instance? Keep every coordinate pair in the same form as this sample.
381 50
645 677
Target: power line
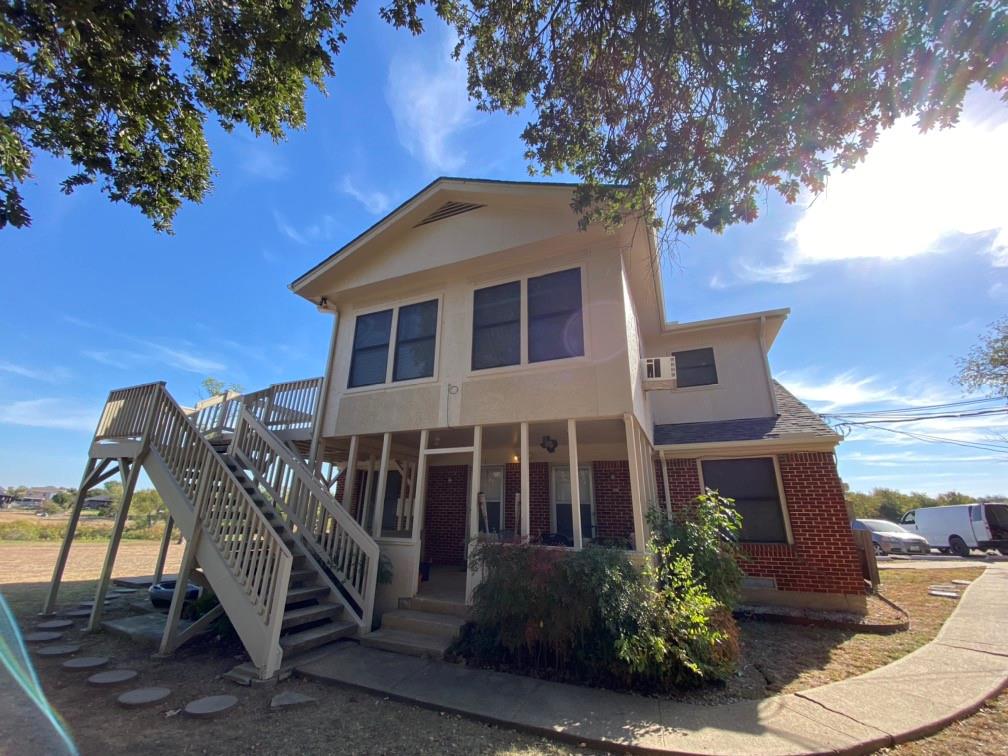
870 419
914 409
989 447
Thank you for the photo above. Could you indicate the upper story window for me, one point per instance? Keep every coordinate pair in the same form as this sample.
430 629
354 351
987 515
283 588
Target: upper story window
554 327
695 367
752 483
497 326
415 337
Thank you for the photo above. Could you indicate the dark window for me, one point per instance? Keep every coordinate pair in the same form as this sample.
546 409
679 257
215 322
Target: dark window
497 326
415 339
370 349
752 483
554 316
695 367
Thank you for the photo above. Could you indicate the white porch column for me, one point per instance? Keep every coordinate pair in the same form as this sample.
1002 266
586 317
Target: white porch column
368 489
575 484
636 484
474 482
419 490
350 475
379 506
525 488
665 485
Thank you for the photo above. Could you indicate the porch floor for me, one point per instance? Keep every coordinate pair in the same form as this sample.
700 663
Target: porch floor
446 584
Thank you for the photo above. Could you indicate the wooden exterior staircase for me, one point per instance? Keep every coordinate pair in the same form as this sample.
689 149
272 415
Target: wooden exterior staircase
289 565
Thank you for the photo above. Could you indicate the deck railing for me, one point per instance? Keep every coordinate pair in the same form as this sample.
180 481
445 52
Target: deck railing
328 530
217 415
286 406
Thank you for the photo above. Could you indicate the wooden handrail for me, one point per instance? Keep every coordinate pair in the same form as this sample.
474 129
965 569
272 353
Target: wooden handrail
329 531
286 406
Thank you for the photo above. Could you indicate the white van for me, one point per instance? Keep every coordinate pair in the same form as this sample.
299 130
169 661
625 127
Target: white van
961 527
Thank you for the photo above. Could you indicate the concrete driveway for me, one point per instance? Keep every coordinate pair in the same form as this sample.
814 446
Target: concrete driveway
938 561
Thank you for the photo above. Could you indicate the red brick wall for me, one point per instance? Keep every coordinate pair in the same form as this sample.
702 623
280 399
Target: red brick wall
445 514
539 497
823 558
613 503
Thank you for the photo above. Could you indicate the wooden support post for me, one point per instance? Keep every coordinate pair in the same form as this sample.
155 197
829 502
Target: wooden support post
169 639
575 484
350 486
636 484
419 492
368 491
409 502
665 483
129 483
379 505
525 488
315 455
474 482
163 551
92 471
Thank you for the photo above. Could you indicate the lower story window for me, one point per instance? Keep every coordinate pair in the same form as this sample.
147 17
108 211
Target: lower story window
752 483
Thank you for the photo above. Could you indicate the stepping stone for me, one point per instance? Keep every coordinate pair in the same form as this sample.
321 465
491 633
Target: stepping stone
210 706
290 698
112 677
78 613
86 662
56 624
42 637
961 582
58 649
132 699
944 594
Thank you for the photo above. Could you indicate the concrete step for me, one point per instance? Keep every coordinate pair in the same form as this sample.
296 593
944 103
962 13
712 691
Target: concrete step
435 606
302 576
405 642
299 642
297 595
424 623
304 615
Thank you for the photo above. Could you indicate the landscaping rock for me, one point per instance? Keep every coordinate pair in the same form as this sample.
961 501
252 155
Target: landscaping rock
290 698
961 582
42 637
112 677
132 699
56 624
58 649
86 662
210 706
943 594
77 613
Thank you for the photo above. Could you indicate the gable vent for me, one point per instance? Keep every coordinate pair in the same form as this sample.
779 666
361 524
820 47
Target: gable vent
447 210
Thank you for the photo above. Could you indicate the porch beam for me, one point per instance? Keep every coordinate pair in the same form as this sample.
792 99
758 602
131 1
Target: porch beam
379 505
665 483
636 484
525 488
575 484
419 490
452 450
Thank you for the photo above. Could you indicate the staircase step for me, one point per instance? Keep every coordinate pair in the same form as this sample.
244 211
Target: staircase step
424 623
296 643
306 614
405 642
297 595
302 576
435 606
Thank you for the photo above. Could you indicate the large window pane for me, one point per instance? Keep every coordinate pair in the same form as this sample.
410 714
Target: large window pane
695 367
752 483
497 326
554 316
415 341
370 349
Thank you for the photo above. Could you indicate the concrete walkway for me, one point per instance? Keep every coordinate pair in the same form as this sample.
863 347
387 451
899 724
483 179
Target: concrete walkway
945 680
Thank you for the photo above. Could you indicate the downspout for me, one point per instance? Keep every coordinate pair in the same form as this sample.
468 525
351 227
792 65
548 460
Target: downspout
766 365
323 402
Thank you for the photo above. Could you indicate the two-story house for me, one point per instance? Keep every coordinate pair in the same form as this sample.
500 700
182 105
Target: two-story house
493 372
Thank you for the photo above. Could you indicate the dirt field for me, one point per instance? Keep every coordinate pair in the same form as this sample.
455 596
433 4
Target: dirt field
778 657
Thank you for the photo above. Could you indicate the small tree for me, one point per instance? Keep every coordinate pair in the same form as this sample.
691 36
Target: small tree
210 387
986 365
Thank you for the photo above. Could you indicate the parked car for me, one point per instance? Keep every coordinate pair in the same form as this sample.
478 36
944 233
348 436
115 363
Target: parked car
961 527
890 538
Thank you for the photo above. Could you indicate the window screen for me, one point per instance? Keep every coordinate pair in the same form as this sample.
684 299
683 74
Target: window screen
416 334
752 483
497 326
695 367
370 348
554 316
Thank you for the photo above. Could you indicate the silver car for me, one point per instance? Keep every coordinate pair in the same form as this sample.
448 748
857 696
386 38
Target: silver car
890 538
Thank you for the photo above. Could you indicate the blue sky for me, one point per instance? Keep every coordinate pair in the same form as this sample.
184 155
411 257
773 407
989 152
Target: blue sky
890 275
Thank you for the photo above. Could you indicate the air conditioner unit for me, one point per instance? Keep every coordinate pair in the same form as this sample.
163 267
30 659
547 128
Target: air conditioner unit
658 373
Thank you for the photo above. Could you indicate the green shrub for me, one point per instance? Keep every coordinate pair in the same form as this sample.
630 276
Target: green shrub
591 616
44 530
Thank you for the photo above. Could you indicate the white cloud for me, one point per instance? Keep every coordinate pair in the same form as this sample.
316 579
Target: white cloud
263 161
54 374
62 414
429 101
842 391
321 230
375 202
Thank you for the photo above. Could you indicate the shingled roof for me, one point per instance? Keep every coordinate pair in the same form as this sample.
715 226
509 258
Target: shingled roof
794 417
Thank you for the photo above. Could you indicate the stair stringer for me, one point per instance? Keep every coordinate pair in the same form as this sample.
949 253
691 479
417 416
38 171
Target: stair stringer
264 651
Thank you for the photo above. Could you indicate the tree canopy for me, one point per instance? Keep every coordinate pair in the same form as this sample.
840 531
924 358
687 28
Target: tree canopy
681 112
986 365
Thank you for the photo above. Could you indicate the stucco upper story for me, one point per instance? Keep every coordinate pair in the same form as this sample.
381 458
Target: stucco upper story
469 274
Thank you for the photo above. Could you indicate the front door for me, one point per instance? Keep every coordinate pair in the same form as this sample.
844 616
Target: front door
562 522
